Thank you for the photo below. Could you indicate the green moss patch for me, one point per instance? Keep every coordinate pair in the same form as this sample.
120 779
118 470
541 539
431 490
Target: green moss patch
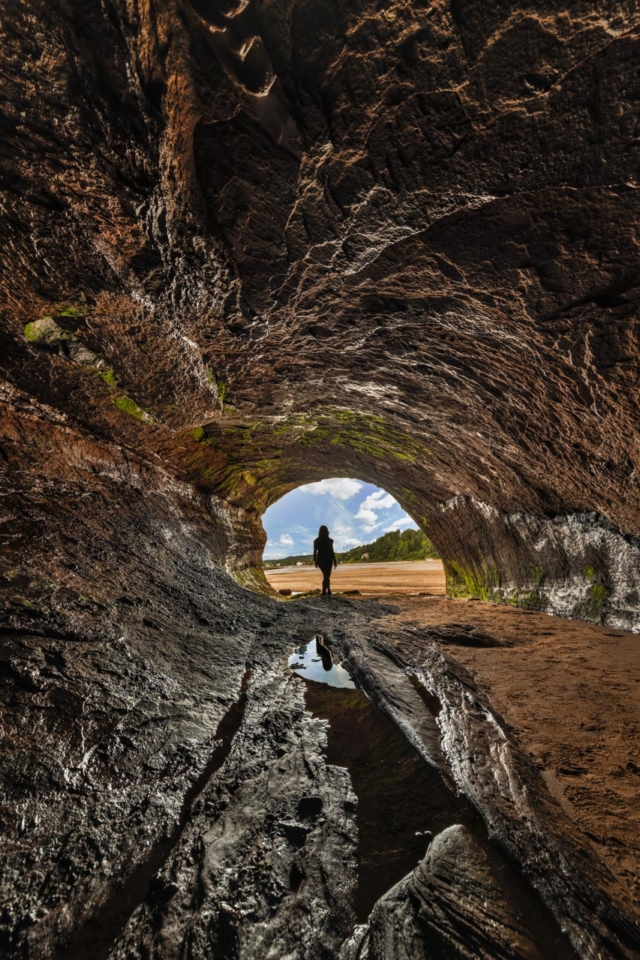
528 600
46 332
56 327
252 462
369 435
253 578
127 405
537 573
109 377
466 582
599 593
593 607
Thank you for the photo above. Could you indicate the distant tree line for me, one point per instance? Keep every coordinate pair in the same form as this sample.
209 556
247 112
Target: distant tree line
405 545
408 545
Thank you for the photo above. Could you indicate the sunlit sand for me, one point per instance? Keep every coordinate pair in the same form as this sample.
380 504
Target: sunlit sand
371 579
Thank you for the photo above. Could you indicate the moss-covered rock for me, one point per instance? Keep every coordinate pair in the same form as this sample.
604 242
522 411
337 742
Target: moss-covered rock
253 578
46 332
109 377
127 405
477 582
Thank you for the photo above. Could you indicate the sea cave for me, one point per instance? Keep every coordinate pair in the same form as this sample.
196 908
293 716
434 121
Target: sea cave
249 245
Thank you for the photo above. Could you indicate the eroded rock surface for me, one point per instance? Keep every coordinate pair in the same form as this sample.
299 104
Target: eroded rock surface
450 905
493 771
262 241
256 872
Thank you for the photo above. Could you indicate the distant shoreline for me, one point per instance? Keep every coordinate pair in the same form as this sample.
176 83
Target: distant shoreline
392 547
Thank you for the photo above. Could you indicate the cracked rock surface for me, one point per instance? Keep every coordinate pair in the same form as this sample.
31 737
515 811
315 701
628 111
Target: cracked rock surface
450 904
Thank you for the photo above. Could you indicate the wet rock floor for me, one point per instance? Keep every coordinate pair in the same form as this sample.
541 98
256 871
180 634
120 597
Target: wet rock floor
220 804
97 937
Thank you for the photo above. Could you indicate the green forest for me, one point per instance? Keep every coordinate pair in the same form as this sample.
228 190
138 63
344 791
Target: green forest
408 545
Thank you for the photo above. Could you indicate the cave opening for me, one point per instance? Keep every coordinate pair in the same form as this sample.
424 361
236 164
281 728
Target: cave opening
378 546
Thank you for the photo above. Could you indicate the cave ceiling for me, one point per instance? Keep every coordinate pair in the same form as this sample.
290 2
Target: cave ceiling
264 243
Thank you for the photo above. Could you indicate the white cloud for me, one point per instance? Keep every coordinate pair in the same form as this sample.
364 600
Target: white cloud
340 488
397 524
343 532
367 516
380 500
355 512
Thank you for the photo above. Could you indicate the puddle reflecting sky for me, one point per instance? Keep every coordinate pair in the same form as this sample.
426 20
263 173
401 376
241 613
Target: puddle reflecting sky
313 664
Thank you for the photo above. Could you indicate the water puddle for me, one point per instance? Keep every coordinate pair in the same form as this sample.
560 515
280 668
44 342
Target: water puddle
402 801
314 661
95 940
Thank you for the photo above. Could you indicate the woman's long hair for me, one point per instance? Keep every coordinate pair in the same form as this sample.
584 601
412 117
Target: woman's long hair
323 533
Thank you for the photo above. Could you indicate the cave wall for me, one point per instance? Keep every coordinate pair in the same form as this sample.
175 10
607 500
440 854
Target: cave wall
574 565
256 245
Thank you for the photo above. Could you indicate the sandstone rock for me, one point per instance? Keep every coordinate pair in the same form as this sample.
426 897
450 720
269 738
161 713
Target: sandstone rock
394 244
488 766
461 905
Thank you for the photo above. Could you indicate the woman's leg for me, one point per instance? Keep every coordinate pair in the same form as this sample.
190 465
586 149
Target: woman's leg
326 586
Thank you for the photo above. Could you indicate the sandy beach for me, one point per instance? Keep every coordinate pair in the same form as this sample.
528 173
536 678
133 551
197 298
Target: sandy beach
371 579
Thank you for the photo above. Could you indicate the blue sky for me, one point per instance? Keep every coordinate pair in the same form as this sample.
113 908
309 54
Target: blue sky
355 512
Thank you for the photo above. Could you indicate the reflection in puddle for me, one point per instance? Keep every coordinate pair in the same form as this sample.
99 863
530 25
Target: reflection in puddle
313 661
402 801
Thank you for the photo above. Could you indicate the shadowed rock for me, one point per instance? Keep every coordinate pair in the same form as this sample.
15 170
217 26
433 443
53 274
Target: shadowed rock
460 904
263 243
450 906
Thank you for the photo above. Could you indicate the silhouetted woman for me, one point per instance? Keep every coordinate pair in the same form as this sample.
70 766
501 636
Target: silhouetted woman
324 557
